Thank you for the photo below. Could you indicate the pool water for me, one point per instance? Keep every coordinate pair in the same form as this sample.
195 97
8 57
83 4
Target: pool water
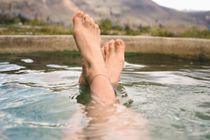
41 99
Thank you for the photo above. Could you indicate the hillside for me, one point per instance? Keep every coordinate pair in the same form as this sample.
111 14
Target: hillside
132 12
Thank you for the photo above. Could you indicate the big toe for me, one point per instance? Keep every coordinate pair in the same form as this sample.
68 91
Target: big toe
88 21
78 18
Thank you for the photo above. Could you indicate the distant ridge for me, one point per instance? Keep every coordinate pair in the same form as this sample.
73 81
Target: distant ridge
131 12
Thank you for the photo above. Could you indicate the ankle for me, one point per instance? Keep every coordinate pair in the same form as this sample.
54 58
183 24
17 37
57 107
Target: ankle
92 74
99 75
96 67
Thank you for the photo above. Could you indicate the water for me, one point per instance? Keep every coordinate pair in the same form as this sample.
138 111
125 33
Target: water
39 99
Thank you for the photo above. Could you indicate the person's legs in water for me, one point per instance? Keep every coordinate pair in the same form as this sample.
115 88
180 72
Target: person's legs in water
88 39
109 120
113 53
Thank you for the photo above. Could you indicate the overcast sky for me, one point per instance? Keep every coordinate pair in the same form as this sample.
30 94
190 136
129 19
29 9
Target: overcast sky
185 4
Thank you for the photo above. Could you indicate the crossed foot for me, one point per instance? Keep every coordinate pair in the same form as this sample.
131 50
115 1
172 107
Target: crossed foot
104 64
113 54
87 36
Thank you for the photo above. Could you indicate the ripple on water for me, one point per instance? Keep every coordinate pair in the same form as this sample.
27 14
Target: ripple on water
29 99
40 102
171 100
7 67
29 61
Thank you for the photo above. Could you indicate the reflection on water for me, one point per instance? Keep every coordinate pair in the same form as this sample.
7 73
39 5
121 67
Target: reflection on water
106 123
41 100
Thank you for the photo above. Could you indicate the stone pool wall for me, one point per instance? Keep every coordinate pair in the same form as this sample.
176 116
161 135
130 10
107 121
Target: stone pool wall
190 48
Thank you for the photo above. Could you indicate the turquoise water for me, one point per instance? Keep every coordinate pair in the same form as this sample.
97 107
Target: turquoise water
41 100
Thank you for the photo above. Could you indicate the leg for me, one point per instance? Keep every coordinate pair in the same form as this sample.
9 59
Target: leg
108 122
87 37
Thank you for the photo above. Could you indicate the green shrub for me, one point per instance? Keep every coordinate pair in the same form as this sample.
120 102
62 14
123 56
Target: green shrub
197 33
10 26
130 31
35 22
8 20
161 32
144 29
105 26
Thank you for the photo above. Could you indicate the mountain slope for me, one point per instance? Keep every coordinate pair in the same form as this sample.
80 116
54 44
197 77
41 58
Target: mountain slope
132 12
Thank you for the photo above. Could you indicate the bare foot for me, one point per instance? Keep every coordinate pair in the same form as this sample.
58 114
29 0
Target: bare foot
114 59
88 39
113 53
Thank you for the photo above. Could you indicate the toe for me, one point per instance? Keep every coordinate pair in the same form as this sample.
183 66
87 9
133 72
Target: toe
87 21
90 23
103 52
106 50
87 18
78 17
120 45
112 47
92 20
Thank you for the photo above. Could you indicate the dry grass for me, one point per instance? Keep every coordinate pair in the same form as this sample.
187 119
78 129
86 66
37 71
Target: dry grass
198 49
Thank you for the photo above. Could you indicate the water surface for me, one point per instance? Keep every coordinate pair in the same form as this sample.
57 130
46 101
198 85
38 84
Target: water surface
39 98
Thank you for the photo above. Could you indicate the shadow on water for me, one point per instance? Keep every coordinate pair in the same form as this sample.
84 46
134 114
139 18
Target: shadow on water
43 59
72 58
163 62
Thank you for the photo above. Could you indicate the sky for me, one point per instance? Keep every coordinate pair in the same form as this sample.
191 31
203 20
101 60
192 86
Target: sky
186 4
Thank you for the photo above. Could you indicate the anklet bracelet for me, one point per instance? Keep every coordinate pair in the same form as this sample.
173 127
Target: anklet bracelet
103 75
